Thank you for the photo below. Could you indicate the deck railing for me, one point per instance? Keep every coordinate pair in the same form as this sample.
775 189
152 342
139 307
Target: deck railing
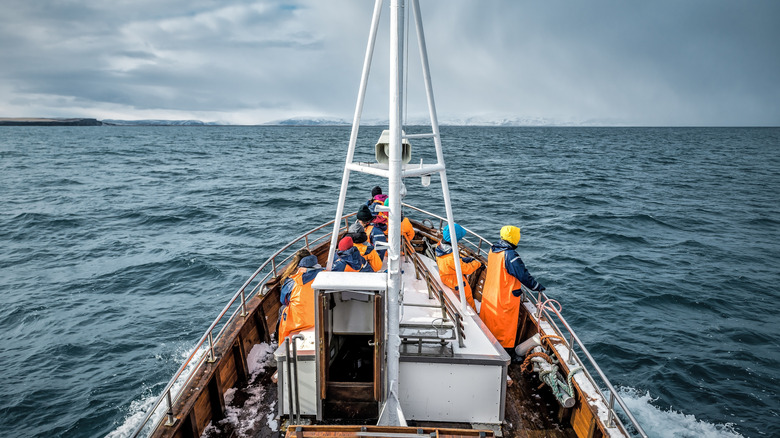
548 312
562 328
204 348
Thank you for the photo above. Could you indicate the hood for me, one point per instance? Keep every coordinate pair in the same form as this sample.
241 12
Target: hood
352 257
502 245
443 249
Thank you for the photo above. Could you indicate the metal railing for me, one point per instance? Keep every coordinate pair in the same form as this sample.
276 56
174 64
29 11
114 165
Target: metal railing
449 310
239 299
476 247
548 312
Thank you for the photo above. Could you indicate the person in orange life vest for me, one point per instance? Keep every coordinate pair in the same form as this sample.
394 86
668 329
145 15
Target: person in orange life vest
348 258
298 297
377 230
407 230
501 292
445 259
375 233
360 240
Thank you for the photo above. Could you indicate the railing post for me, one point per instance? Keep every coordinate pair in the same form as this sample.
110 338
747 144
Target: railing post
571 349
273 266
540 303
211 358
306 240
243 303
611 418
171 420
457 321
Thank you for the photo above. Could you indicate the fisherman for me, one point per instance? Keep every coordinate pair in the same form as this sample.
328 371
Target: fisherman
445 259
348 258
360 240
506 273
297 295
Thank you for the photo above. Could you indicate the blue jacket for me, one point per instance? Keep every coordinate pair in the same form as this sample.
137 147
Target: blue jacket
351 258
514 266
287 288
378 235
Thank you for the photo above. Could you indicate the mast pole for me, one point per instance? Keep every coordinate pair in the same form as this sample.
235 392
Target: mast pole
391 411
464 307
355 126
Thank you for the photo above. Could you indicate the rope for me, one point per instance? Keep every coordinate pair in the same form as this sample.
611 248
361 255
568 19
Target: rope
553 337
526 367
570 376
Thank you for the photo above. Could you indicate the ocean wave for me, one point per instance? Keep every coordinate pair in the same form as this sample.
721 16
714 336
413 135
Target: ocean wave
670 423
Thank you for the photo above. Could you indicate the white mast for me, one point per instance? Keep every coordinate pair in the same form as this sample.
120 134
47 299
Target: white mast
391 411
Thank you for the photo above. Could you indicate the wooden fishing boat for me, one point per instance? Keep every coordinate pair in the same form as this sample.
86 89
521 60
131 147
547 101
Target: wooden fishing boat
394 353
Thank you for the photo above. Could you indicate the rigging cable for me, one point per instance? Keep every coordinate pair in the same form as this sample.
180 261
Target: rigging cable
406 67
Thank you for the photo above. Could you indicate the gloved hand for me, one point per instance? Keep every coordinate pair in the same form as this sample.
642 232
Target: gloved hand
467 259
539 288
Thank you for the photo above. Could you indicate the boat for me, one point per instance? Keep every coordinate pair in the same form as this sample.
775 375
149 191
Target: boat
394 353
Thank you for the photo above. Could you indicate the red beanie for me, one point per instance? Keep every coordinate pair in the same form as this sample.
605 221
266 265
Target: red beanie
345 243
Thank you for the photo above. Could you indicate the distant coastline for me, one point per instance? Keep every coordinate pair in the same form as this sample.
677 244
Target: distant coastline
33 121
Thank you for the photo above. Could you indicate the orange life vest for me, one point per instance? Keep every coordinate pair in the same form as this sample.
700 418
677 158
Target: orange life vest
372 257
500 309
407 230
299 314
449 276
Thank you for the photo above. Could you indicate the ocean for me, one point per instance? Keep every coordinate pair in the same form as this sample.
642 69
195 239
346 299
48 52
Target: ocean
120 245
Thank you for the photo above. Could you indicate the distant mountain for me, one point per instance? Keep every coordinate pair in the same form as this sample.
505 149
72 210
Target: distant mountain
156 122
422 121
40 121
303 121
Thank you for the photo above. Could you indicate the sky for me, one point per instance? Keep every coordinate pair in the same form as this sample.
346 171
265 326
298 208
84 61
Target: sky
649 63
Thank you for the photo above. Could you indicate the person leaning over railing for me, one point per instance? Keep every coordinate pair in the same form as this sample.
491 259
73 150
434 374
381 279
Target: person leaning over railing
297 294
506 273
445 259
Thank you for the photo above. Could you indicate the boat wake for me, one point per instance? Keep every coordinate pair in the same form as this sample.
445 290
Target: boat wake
138 408
659 423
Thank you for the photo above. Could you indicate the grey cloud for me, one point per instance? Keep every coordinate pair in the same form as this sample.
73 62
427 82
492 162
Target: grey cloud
664 62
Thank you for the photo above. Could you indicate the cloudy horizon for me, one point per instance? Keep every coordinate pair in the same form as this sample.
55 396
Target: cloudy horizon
664 63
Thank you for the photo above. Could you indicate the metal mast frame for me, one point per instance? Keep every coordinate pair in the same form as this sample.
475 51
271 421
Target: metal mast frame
391 413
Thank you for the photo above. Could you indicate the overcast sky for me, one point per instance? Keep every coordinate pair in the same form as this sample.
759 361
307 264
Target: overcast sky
659 62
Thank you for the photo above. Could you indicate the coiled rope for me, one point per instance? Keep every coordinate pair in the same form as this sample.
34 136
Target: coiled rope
527 366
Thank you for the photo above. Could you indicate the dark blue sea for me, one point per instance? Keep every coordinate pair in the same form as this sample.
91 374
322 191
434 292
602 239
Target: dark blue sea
119 246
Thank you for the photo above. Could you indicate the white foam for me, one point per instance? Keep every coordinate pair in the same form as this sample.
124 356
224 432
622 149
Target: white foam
659 423
139 408
245 425
271 418
261 356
